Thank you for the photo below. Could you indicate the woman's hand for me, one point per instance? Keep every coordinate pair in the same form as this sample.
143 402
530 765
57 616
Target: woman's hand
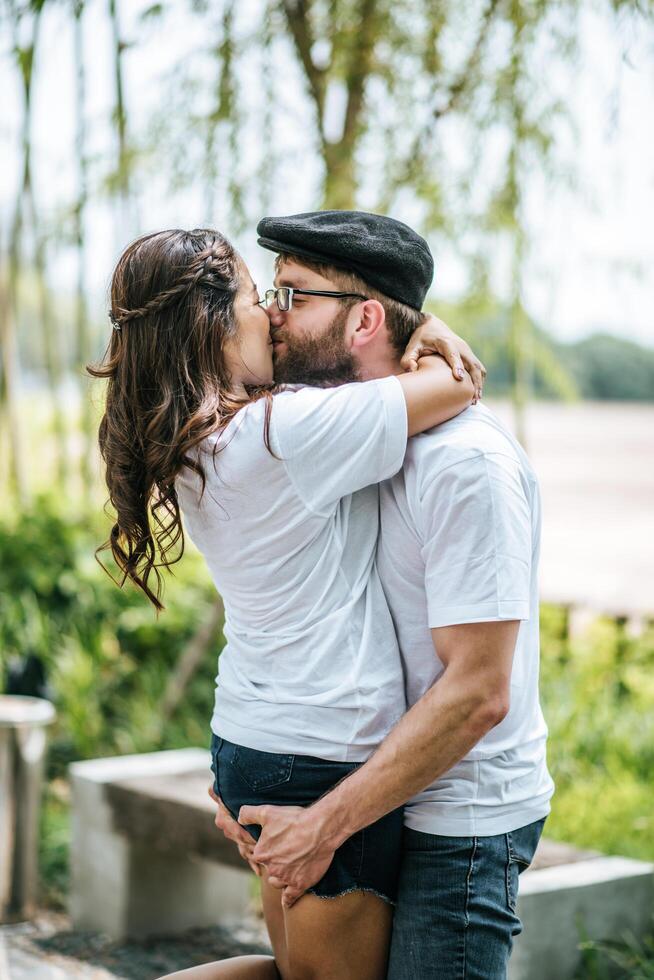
435 337
234 832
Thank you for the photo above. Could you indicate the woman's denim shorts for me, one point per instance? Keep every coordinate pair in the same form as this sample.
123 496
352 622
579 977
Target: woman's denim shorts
367 861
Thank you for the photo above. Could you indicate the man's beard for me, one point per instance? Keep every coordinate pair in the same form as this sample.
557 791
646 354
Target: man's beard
322 361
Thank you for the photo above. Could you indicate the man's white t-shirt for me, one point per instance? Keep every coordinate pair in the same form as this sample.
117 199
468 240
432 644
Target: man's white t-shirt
459 543
311 663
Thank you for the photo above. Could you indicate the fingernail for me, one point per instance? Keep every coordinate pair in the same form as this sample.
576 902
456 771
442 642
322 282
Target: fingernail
459 372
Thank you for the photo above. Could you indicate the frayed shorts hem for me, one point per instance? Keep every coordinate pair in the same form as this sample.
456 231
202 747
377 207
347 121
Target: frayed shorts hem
354 888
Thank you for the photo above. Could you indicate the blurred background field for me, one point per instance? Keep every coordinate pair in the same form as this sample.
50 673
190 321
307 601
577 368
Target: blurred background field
517 137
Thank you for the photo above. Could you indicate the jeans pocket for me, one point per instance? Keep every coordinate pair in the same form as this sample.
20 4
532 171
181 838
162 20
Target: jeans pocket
513 870
521 846
261 770
523 842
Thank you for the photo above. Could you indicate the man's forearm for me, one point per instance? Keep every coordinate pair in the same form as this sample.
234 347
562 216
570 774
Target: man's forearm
436 733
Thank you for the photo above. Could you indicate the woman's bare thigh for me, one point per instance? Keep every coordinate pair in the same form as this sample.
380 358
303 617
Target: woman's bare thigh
344 938
274 915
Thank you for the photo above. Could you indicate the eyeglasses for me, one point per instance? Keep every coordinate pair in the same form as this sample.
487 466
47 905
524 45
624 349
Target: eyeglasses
283 296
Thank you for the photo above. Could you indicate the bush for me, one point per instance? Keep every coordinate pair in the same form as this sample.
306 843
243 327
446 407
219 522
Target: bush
107 657
598 698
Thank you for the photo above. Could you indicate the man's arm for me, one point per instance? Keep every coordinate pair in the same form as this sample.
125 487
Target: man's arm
469 698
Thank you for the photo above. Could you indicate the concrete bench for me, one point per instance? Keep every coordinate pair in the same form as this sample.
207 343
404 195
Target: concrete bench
147 858
569 896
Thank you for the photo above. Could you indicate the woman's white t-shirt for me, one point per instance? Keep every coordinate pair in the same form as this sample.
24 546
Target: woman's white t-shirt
311 663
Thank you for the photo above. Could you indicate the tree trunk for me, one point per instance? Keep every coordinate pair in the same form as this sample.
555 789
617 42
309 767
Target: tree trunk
50 347
340 185
339 182
518 328
190 659
123 171
82 333
10 384
10 300
50 340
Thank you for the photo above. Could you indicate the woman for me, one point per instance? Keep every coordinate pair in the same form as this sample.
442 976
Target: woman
271 484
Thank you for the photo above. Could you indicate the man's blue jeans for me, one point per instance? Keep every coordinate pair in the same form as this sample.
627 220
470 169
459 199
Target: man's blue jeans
456 912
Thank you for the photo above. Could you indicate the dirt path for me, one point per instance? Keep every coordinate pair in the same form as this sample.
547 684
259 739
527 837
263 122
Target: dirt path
49 949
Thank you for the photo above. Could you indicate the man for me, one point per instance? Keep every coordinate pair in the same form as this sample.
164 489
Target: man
458 556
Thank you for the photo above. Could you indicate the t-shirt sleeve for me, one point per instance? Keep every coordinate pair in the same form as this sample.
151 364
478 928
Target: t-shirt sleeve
477 534
335 441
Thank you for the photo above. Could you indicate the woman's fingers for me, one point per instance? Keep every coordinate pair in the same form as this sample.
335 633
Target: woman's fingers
418 348
246 854
409 360
433 336
475 369
290 896
231 829
276 882
453 358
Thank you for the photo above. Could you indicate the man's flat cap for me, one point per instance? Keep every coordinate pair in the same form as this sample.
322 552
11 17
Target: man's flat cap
384 252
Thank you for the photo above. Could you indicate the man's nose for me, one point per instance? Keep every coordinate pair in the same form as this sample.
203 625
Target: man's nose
275 315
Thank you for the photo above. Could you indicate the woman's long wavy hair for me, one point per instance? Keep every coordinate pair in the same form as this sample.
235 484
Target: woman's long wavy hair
172 309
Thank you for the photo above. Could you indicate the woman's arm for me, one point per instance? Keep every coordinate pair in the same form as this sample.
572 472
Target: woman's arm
433 395
435 337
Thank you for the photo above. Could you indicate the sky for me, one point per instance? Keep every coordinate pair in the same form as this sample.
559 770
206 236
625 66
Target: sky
591 258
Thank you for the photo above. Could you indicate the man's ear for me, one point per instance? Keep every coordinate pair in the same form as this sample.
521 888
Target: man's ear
371 319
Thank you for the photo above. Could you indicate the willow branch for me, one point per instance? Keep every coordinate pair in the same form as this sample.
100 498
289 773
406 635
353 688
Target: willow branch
458 87
361 62
297 16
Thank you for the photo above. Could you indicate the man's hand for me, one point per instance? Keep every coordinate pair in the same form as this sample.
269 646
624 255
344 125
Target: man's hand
435 337
232 830
293 846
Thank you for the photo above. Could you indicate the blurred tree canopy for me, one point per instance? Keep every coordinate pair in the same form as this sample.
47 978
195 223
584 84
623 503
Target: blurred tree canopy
437 112
608 368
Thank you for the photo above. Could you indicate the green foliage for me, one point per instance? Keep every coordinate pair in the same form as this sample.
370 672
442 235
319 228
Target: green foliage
106 655
54 845
612 369
628 958
598 697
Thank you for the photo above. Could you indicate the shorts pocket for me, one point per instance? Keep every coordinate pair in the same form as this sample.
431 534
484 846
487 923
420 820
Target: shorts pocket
216 745
261 770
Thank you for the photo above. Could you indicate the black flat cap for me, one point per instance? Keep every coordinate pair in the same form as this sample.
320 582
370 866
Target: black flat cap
386 253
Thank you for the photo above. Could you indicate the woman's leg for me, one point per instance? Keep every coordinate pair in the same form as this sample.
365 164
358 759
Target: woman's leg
236 968
344 938
273 913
